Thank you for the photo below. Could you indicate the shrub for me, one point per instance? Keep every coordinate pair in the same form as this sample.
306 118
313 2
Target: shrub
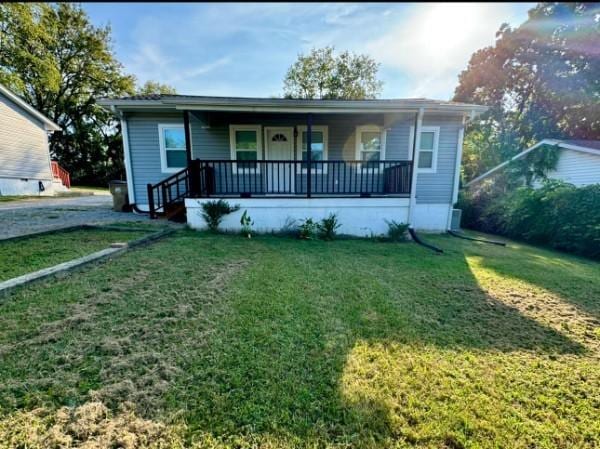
328 227
307 229
247 224
396 231
214 211
557 215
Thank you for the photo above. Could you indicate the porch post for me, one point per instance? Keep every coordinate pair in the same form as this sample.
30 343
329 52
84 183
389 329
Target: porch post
193 169
308 155
413 168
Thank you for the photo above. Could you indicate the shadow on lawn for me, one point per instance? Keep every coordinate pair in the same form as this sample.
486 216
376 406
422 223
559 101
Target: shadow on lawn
277 362
574 279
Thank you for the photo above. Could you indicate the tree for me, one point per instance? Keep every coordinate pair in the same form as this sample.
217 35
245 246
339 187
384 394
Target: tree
154 87
56 60
323 75
540 80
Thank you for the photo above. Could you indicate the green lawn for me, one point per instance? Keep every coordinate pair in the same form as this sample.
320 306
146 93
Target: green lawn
217 341
26 255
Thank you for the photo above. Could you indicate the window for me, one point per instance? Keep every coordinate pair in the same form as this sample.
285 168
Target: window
245 146
318 146
428 147
370 145
173 156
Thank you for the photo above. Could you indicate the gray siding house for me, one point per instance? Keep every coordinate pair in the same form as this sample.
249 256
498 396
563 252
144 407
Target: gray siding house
25 165
370 160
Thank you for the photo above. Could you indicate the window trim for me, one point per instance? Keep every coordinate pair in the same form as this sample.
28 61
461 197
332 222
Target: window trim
357 137
325 130
163 149
436 142
233 150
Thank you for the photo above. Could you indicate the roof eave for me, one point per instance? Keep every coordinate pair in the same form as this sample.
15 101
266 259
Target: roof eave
49 125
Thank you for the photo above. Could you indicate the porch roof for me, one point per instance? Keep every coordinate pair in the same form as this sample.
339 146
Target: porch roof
246 104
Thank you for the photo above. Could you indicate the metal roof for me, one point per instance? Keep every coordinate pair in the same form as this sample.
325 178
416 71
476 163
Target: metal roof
197 102
49 124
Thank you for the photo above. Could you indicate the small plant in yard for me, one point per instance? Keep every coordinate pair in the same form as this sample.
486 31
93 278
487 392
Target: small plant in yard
247 224
328 227
307 229
396 231
214 211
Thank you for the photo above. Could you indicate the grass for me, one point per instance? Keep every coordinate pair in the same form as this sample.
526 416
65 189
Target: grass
9 198
29 254
218 341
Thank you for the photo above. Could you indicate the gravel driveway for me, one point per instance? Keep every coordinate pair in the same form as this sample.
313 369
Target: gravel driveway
29 216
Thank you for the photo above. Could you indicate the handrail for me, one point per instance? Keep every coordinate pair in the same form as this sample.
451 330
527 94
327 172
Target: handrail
60 173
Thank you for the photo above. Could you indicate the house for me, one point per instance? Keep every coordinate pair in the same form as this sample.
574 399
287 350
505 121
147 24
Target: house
25 164
182 149
578 162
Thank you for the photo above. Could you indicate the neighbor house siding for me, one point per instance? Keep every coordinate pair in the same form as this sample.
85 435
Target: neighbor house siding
23 144
575 167
436 188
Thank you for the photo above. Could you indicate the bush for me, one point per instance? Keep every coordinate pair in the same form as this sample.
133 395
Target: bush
328 227
557 215
214 211
307 229
396 231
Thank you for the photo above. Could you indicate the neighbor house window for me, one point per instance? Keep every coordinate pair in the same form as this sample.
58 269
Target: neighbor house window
370 145
245 146
173 156
428 148
318 146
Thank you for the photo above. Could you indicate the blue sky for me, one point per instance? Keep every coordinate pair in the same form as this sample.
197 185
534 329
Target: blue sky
237 49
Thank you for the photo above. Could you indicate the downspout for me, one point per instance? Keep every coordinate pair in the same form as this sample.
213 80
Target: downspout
127 156
413 180
457 164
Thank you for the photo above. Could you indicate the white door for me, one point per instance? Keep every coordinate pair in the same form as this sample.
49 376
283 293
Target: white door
280 175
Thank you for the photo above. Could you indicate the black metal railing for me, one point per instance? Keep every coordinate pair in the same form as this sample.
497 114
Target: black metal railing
294 178
206 178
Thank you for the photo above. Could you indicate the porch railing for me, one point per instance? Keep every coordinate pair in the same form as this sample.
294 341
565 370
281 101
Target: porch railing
60 173
294 178
243 178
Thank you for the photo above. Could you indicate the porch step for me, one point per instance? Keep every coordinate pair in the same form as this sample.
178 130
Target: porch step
176 212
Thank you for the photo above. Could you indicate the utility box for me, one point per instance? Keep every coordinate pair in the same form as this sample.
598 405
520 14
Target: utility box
118 190
455 221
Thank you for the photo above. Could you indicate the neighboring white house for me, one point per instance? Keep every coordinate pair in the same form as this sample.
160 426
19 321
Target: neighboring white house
368 161
578 162
25 164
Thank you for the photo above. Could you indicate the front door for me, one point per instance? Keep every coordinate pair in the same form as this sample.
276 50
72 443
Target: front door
280 148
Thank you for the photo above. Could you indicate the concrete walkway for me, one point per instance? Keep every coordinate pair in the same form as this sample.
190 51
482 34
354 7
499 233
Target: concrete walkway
37 215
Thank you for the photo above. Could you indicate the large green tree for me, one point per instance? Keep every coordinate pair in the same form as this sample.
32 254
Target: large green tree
59 62
324 75
153 87
540 79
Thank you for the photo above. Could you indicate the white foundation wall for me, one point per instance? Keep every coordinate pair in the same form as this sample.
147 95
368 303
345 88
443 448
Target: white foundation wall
432 217
357 216
16 187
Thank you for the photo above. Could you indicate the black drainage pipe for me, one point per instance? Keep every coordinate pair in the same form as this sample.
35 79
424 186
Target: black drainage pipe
462 236
416 238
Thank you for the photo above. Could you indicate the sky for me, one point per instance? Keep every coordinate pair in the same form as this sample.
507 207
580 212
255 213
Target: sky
245 49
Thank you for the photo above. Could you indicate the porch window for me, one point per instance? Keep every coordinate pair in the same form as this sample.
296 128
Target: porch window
173 156
318 146
245 146
370 145
428 148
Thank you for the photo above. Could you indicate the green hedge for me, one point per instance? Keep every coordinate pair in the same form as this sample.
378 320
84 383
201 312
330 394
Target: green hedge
557 215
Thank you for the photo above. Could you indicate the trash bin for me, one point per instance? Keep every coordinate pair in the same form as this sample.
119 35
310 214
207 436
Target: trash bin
118 190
